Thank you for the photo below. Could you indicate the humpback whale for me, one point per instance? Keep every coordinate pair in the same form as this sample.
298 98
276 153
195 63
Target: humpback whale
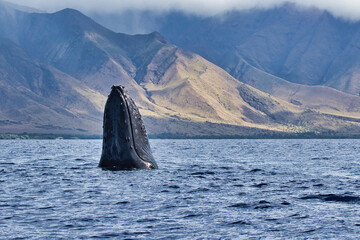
125 143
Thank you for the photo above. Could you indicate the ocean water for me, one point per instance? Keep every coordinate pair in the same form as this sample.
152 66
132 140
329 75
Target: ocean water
204 189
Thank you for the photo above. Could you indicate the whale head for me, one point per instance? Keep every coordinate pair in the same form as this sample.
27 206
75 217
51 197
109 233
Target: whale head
125 143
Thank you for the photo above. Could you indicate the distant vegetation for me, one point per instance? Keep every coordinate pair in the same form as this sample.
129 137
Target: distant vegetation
47 136
14 136
329 135
308 135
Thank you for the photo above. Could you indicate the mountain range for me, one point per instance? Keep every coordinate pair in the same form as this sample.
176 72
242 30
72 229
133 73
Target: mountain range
301 45
273 50
204 79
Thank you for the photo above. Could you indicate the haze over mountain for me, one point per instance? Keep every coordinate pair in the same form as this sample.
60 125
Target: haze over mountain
300 45
305 46
348 9
57 70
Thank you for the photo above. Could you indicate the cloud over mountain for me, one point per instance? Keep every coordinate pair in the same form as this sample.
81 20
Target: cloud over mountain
349 9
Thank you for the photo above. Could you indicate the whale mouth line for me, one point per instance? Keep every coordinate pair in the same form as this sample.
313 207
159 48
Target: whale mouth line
131 125
124 96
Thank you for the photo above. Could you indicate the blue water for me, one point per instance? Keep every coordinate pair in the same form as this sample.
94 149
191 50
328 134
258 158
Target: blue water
204 189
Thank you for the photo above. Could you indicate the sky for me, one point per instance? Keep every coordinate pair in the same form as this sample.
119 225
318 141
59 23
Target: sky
348 9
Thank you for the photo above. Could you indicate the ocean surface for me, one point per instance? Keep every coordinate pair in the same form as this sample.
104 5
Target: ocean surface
204 189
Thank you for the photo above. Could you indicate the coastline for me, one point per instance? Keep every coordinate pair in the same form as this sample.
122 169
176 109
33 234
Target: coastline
30 136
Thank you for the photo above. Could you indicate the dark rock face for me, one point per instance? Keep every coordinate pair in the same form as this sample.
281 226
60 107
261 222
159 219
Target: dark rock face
125 143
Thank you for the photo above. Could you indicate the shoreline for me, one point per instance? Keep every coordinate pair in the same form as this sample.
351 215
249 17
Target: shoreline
35 136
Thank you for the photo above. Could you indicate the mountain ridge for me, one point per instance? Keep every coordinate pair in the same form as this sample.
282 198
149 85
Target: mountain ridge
300 45
29 89
170 85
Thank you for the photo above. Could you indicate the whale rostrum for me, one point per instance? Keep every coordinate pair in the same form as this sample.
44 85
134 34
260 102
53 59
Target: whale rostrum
125 143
